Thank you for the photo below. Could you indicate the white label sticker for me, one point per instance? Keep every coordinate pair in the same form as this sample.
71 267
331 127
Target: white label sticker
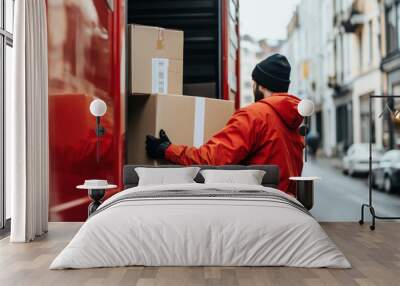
159 75
199 113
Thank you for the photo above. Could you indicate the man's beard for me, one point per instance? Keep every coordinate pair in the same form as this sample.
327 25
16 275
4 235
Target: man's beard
258 95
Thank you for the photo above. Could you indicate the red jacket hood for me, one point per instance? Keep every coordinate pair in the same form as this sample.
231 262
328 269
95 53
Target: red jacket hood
285 106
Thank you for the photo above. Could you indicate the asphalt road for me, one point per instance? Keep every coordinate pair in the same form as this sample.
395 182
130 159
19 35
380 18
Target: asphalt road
339 197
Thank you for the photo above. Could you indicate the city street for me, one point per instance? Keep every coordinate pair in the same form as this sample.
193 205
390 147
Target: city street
339 197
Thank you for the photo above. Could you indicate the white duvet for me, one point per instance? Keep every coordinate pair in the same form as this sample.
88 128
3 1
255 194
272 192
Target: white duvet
200 231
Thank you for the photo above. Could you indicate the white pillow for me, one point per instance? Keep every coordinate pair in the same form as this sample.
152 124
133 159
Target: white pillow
166 176
248 177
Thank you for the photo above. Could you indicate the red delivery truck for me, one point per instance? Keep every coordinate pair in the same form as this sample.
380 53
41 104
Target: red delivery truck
87 48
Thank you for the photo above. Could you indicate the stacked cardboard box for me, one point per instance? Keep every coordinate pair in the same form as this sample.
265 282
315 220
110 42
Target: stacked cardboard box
156 60
156 69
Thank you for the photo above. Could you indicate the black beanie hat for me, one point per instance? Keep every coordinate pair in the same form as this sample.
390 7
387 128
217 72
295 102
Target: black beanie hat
273 73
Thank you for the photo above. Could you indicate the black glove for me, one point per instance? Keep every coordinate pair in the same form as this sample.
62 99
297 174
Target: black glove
155 147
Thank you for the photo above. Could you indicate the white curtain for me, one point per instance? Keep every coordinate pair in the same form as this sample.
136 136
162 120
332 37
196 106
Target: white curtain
27 122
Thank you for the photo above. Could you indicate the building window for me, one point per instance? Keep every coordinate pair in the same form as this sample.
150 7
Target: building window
393 27
365 127
344 123
371 41
397 14
6 44
361 52
391 132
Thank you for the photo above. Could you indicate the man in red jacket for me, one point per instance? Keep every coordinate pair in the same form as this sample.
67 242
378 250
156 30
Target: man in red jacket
265 132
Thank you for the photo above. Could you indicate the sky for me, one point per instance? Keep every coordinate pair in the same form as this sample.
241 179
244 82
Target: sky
266 18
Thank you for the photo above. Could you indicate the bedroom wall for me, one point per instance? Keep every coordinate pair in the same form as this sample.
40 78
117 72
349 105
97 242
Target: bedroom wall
85 40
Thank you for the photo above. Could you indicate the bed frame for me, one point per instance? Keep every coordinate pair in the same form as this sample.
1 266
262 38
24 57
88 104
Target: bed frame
270 179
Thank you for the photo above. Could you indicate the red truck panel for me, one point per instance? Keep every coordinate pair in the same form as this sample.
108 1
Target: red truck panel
84 43
86 61
230 51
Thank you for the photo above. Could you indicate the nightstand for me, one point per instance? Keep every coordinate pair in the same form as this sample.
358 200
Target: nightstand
305 190
96 190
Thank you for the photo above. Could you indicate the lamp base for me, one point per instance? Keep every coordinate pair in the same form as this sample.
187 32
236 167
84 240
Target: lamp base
96 195
305 193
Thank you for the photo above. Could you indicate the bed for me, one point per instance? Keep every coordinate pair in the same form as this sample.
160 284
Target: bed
201 224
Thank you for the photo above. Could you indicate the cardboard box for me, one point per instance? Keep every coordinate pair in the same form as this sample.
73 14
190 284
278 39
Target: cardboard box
156 60
187 120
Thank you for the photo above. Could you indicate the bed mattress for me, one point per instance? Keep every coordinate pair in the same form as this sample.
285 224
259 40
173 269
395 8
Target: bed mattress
201 225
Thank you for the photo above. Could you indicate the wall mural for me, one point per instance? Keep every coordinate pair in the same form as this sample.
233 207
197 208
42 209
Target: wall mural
84 40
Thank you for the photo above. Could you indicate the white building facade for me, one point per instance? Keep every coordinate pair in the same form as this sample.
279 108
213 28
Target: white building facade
309 52
248 59
365 70
334 49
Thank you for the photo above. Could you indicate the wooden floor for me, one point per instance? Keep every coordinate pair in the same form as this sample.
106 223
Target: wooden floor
375 257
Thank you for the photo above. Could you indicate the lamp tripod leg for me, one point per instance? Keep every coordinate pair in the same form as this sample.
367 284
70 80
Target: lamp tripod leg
372 210
361 221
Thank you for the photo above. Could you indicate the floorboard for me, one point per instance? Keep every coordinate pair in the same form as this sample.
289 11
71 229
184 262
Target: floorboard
375 257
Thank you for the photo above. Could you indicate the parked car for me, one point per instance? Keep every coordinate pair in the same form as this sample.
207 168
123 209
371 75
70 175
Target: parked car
356 160
386 175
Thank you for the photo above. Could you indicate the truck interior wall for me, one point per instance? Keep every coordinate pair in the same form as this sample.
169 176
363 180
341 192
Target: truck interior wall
199 19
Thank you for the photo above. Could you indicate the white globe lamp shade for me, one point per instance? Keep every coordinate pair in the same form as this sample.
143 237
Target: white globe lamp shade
98 107
305 108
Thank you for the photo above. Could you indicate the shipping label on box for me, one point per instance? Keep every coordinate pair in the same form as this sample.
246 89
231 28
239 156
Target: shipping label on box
159 75
199 118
